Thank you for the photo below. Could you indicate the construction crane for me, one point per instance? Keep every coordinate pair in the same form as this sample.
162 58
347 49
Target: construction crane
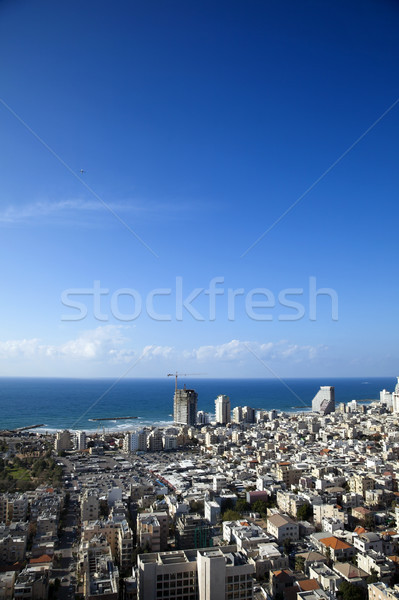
176 375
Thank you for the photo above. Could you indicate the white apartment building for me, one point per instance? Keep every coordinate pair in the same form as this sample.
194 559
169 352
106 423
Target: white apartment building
208 574
282 528
80 440
212 511
222 409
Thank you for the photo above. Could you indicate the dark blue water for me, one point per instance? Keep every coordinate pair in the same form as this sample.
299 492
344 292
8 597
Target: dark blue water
70 403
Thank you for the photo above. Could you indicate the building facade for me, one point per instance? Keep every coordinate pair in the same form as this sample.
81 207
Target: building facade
324 401
222 410
185 407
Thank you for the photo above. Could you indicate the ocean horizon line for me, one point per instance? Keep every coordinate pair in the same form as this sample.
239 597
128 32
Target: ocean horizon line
196 378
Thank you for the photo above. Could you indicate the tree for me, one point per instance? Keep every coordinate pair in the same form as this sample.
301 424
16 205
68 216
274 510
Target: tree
373 577
260 506
304 512
369 522
328 556
299 563
228 504
349 591
197 506
230 515
242 505
287 546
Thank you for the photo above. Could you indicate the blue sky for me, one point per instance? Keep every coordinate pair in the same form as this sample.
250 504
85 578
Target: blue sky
198 124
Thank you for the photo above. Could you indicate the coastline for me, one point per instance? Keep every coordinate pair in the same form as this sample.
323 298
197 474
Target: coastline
71 404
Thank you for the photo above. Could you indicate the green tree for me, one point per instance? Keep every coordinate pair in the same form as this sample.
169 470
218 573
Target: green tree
287 546
299 563
260 506
304 512
369 522
242 505
349 591
197 506
328 555
373 577
230 515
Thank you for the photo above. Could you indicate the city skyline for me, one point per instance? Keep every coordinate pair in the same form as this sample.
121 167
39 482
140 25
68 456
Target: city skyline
203 188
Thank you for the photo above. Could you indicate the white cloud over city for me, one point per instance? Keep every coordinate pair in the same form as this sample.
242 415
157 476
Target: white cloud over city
111 345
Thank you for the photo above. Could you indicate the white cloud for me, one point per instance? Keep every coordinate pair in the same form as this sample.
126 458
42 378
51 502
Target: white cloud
19 348
98 344
240 350
110 345
15 214
68 209
158 351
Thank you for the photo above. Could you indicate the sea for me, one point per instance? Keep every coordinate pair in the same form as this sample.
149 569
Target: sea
56 404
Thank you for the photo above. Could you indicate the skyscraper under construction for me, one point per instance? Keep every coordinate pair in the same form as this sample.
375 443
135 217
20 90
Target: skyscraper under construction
185 407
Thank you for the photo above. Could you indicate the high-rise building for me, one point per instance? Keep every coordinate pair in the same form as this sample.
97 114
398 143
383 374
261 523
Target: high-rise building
221 573
80 440
135 441
63 441
202 418
324 401
237 414
248 414
222 409
185 407
155 441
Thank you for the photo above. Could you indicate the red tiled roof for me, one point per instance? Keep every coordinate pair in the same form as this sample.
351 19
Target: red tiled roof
307 585
44 558
359 530
335 543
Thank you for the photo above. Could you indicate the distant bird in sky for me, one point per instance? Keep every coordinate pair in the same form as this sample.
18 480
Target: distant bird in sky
82 171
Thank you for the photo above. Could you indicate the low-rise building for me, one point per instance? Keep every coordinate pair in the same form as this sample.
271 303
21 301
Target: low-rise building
283 528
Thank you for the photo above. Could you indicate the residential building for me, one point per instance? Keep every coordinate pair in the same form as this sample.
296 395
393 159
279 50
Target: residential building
374 562
13 541
212 511
80 440
282 527
248 414
207 574
63 441
337 549
152 530
381 591
155 440
7 582
193 531
89 506
237 414
222 410
32 583
100 575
